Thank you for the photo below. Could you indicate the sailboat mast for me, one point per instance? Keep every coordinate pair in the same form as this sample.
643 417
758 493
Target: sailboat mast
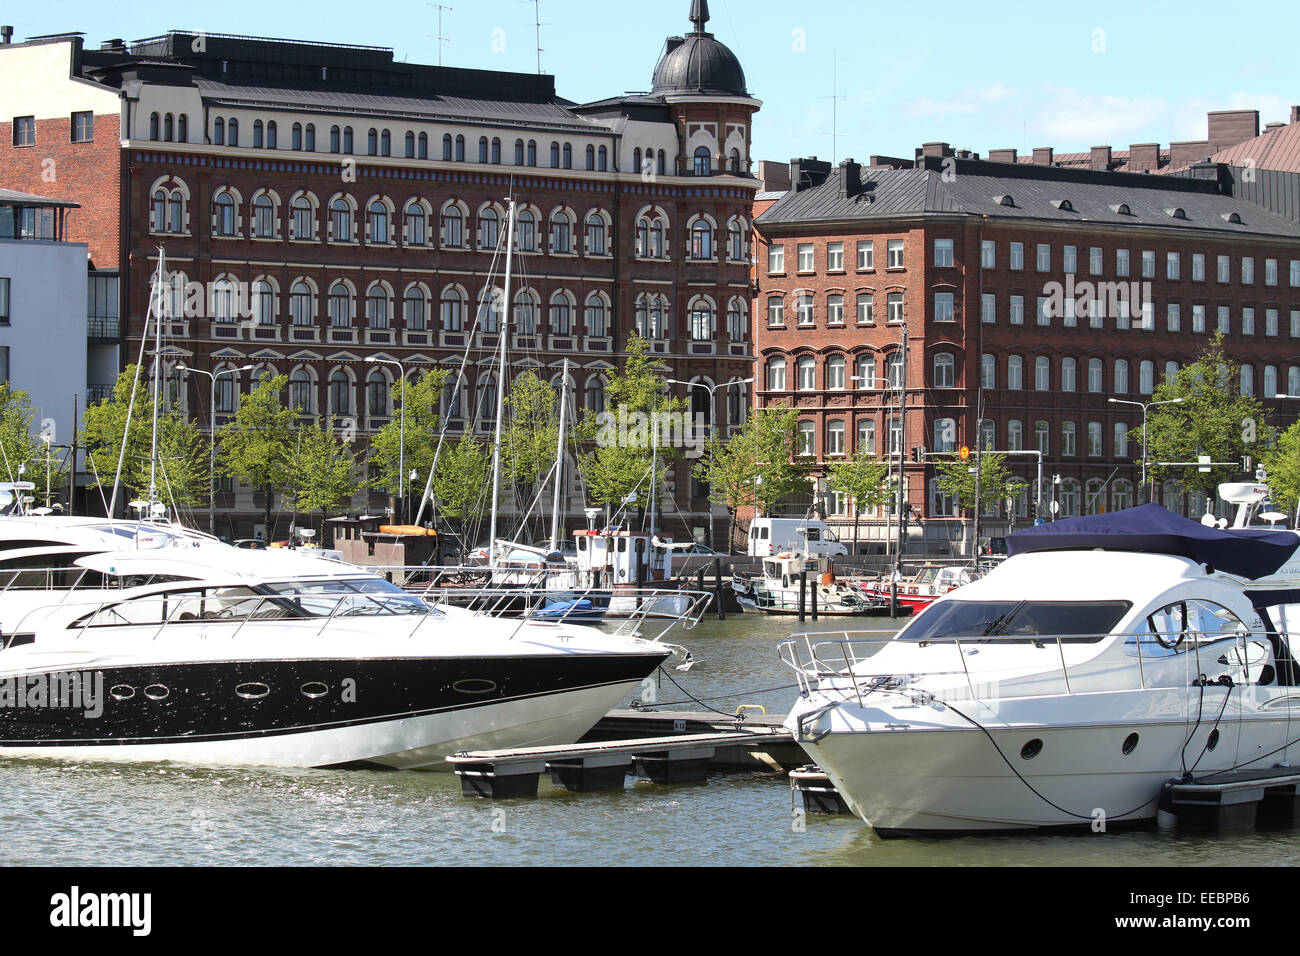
503 328
559 457
156 291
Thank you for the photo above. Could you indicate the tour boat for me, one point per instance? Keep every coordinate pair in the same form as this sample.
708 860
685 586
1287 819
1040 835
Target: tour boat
1106 656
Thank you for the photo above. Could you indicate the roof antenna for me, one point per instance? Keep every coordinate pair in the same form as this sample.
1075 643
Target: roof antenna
537 24
835 98
440 38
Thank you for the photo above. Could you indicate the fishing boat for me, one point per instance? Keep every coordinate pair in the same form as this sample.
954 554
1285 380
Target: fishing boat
1107 656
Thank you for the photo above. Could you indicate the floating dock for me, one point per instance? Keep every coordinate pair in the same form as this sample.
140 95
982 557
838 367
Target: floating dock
1235 800
662 746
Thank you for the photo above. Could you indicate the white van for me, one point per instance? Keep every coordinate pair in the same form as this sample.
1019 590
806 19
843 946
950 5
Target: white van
769 536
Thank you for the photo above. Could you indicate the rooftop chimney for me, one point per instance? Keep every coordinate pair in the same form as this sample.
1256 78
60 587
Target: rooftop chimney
1230 127
1295 114
934 149
1187 152
850 178
1099 157
808 173
6 34
1143 158
1042 155
1002 155
1276 124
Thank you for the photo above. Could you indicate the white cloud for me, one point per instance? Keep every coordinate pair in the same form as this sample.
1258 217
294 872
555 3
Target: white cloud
1072 121
967 102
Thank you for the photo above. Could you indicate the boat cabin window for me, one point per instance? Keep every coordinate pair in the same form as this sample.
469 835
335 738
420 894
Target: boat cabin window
1074 621
348 598
926 575
204 604
1194 622
813 534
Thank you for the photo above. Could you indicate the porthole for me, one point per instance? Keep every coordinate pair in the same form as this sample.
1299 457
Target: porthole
314 689
1031 750
253 690
1130 744
474 685
157 692
1213 740
121 692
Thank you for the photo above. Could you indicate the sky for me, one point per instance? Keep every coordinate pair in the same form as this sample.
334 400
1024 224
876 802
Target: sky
883 77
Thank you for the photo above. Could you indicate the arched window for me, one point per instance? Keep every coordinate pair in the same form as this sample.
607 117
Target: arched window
532 152
525 231
807 441
597 316
263 303
602 158
496 150
835 437
167 128
482 149
300 308
735 161
945 434
555 155
334 139
446 147
1042 374
1069 375
702 239
806 366
372 142
263 217
702 161
737 321
525 315
377 394
340 305
453 226
866 443
519 152
1147 377
1015 372
988 371
223 301
385 143
595 397
182 128
232 131
378 223
409 144
341 220
736 241
416 235
452 389
301 392
591 158
460 149
945 370
596 234
219 132
1094 375
561 317
304 218
1121 440
453 309
488 228
1015 435
347 139
340 393
158 212
776 374
1042 436
568 156
864 371
835 372
1121 376
311 137
223 214
561 233
1068 439
702 319
295 137
257 134
270 134
377 311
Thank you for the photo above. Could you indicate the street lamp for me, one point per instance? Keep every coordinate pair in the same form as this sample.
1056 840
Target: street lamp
710 389
1144 406
212 443
401 427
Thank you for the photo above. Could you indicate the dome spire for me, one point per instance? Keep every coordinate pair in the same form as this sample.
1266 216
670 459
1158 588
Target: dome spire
699 14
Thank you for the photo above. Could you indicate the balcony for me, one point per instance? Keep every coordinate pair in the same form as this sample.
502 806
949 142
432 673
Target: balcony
98 393
103 329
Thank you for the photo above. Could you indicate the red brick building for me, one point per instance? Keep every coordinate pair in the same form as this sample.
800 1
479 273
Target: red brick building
985 269
320 205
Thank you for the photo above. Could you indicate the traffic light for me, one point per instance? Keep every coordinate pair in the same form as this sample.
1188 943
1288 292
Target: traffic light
918 453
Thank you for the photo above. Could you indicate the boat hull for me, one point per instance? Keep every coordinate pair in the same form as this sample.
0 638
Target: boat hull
404 713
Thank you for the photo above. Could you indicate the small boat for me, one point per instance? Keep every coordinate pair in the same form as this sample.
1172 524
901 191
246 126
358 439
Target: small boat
776 591
930 582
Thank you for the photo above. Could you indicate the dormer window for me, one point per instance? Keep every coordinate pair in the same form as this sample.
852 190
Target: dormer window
1121 209
1004 200
1063 204
1232 217
1177 212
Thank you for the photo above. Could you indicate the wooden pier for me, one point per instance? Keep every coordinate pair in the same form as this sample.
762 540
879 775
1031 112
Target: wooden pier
662 746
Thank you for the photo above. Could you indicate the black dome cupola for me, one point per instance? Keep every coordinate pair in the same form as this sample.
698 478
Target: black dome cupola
699 64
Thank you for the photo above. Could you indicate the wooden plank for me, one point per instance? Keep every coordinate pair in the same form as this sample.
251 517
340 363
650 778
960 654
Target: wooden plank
640 746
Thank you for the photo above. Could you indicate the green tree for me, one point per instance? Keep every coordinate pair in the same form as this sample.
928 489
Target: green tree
529 439
1213 419
257 444
19 447
996 483
863 478
182 452
421 398
621 436
460 485
753 467
1282 463
322 470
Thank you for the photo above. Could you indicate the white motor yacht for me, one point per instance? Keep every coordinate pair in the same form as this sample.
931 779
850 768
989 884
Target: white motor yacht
235 657
1105 657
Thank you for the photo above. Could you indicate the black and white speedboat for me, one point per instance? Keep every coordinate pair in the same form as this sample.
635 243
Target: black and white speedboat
1105 657
236 657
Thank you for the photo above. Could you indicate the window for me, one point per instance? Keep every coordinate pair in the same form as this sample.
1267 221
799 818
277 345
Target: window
453 309
1247 270
1070 259
596 234
867 257
1270 272
835 437
804 308
1094 375
835 373
223 214
300 310
1094 439
1147 377
894 306
83 127
257 134
1121 376
340 393
1270 321
1270 381
25 130
1247 380
377 313
866 443
806 366
1044 262
988 371
270 135
894 370
263 217
415 222
4 305
1017 256
1148 264
1121 440
232 128
340 305
300 392
943 252
1068 439
702 239
895 253
943 307
1224 319
1069 373
1247 321
835 257
988 308
805 257
737 321
776 375
866 308
1198 318
1095 265
525 231
304 219
1016 310
1173 266
1198 267
945 370
597 314
1224 271
1042 437
701 319
219 132
702 161
988 254
807 438
945 434
1042 374
1015 435
865 371
1121 262
1015 372
487 228
775 310
453 227
736 250
835 309
1173 317
1044 310
775 260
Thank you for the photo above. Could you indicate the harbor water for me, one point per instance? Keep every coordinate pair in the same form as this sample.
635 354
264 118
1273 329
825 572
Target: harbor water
91 814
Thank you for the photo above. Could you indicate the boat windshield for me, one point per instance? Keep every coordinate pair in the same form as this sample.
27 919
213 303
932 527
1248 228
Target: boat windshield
1075 621
348 597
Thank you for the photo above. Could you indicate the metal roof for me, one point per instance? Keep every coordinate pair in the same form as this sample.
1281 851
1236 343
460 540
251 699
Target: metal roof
11 197
975 188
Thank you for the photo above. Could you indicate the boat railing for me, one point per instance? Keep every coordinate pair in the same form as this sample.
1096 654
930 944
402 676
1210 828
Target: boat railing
41 579
841 663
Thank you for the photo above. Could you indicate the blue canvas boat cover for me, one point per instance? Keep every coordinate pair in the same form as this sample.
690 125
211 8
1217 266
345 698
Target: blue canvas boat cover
1246 552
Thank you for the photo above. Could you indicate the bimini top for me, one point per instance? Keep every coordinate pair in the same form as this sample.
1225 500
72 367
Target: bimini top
1246 552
